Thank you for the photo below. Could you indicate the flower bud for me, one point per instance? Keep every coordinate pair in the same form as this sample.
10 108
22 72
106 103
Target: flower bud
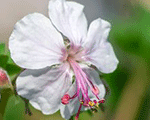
4 78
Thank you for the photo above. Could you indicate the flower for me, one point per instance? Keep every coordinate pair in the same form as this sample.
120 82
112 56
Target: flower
51 63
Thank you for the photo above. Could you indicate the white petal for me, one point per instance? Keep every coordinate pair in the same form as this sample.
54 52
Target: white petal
35 43
68 17
97 33
45 87
99 52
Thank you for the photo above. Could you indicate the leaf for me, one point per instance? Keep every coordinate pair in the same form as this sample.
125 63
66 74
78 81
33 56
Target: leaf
5 94
14 109
3 61
10 60
12 69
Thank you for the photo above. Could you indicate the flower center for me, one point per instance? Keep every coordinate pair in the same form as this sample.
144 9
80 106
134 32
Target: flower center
74 52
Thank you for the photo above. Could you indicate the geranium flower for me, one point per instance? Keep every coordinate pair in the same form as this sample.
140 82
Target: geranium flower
51 63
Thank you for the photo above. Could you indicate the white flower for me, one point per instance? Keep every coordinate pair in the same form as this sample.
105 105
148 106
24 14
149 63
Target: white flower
35 44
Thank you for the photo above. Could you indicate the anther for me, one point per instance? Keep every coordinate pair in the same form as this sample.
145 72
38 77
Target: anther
95 90
91 103
85 104
65 99
95 101
101 101
81 101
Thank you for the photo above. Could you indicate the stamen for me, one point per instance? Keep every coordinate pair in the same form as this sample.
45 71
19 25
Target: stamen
79 79
95 90
95 101
81 102
91 103
86 104
102 101
77 115
83 82
75 95
65 99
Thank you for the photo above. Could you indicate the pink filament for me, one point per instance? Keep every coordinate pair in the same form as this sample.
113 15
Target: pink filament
82 83
77 115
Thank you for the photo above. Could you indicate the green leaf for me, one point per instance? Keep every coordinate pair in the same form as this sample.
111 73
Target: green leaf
14 109
3 61
10 60
12 69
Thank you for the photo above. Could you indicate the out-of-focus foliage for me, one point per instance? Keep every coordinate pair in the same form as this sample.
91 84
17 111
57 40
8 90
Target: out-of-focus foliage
9 103
7 63
131 39
14 109
133 35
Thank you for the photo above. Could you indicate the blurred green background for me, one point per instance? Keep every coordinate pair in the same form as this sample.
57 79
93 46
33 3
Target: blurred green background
128 88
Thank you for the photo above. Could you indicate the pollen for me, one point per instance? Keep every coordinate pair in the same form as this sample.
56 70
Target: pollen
81 102
91 103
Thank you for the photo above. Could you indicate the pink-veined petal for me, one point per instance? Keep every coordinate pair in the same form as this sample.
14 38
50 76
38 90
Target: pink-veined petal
99 52
35 43
45 87
68 17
